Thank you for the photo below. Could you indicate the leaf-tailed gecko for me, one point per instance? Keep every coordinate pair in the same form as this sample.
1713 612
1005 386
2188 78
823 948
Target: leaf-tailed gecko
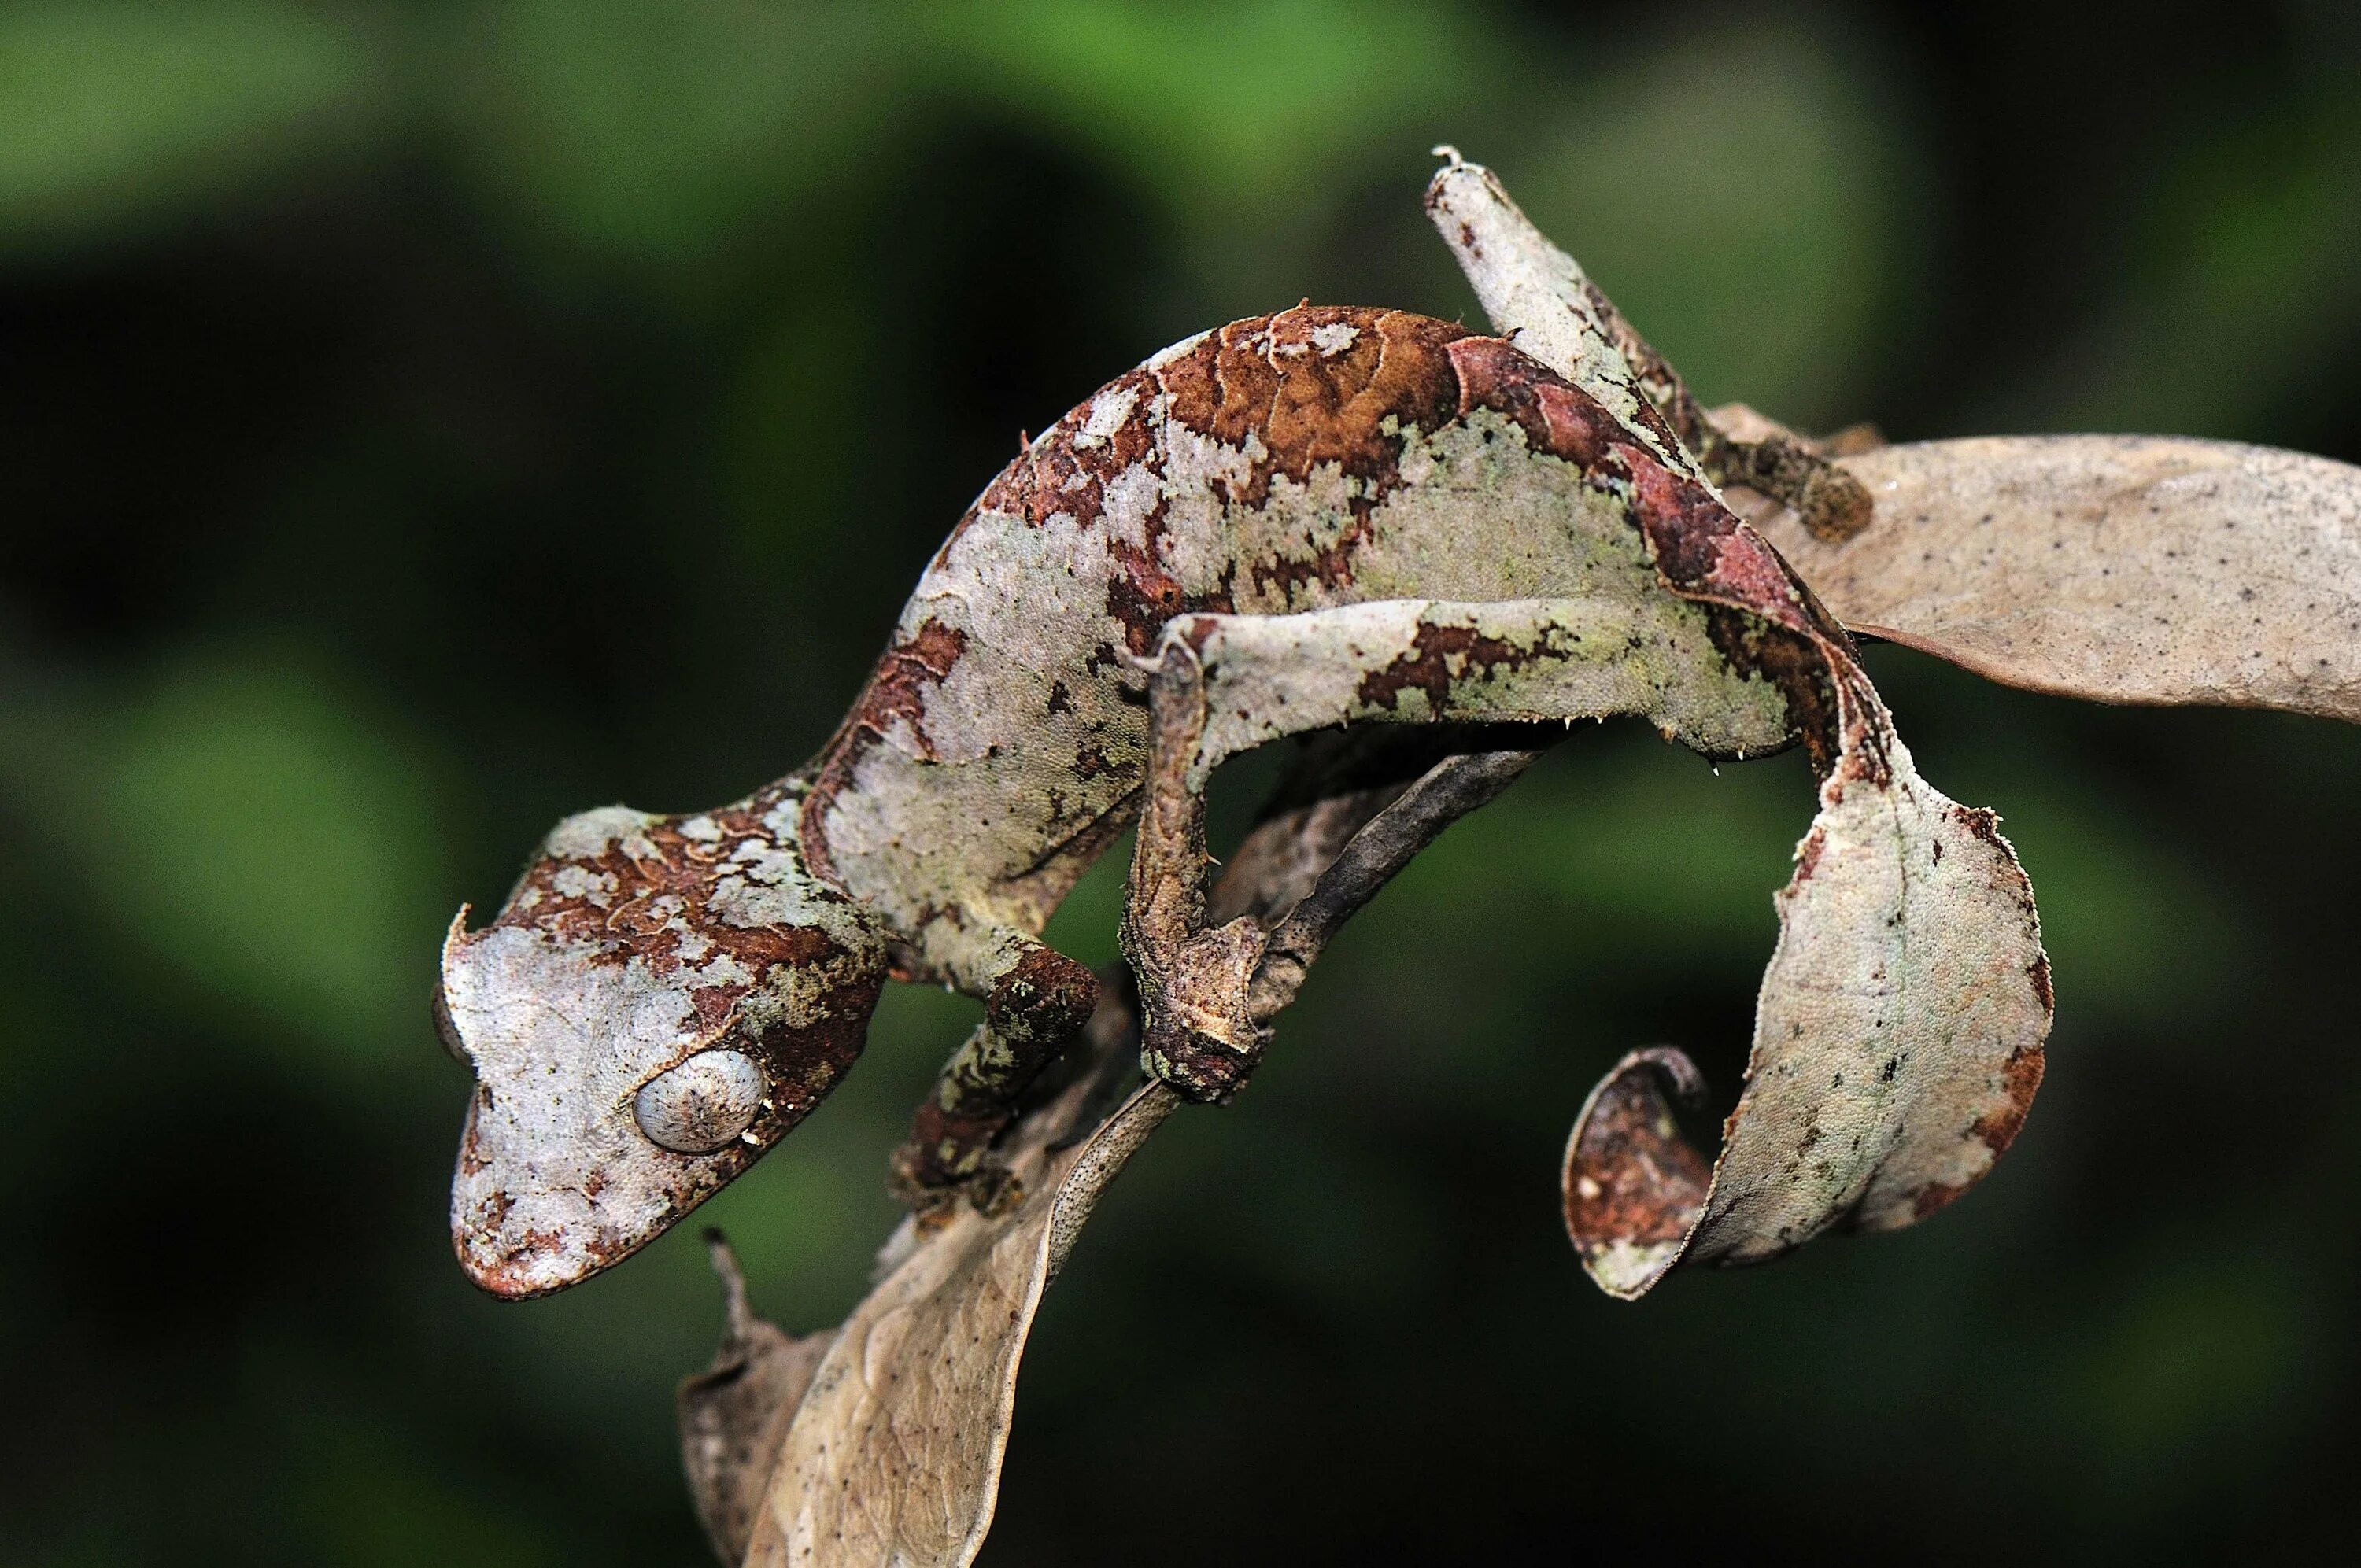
1333 515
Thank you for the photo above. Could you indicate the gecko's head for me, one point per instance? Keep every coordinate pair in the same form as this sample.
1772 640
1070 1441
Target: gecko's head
662 999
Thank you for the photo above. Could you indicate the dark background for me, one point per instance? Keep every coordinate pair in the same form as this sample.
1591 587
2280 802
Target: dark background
419 423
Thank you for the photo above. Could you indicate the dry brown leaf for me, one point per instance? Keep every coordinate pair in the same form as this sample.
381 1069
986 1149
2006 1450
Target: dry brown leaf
734 1414
2133 569
894 1455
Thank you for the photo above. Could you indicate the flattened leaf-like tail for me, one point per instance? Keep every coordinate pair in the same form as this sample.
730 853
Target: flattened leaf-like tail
1897 1046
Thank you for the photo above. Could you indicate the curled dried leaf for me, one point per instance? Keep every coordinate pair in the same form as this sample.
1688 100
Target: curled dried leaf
2133 569
1898 1034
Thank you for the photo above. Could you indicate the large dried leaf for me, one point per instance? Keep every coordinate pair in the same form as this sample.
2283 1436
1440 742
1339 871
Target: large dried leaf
2136 569
734 1414
1898 1033
894 1455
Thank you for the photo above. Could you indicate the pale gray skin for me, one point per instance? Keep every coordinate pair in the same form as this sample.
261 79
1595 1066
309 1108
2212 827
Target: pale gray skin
1283 467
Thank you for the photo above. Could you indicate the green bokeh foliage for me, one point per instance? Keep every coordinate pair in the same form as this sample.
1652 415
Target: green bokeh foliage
424 421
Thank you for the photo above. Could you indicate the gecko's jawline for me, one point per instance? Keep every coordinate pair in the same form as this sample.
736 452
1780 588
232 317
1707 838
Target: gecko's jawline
517 1237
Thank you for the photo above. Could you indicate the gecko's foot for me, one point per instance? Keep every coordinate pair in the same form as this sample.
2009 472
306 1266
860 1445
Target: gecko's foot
1795 470
1199 1033
933 1180
1204 1070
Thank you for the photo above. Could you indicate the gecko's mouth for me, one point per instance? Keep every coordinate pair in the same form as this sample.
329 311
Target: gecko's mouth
532 1215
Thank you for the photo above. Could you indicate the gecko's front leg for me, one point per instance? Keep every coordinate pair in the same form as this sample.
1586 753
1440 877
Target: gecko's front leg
1196 1032
1036 1000
1223 685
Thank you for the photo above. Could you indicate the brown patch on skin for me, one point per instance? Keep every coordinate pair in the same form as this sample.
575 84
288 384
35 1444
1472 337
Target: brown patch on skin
1936 1195
1068 471
1269 380
1761 617
2038 973
1996 1129
909 670
1046 994
626 907
1439 658
1142 596
1984 823
713 1003
1807 855
897 690
511 1277
647 898
2020 1078
1558 419
471 1156
1632 1177
1795 664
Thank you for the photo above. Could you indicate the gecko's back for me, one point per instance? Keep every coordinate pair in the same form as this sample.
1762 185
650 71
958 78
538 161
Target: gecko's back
1281 464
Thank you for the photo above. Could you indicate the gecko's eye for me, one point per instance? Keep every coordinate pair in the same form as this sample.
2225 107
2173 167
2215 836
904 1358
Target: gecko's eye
701 1105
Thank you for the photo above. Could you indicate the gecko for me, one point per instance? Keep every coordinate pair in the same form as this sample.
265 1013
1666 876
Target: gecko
1374 516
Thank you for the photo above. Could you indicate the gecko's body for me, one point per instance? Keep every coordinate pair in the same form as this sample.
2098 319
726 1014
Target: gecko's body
1290 462
662 997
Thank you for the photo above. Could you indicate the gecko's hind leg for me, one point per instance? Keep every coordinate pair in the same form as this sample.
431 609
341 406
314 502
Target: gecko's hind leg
1036 1000
1223 685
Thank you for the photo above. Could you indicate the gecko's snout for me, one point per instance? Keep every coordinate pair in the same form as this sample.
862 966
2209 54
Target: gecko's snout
662 999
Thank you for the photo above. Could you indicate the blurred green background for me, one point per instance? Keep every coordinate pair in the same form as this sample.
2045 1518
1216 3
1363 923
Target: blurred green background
420 422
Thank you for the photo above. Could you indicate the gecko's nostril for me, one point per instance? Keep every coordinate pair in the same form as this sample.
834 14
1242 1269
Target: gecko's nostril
701 1105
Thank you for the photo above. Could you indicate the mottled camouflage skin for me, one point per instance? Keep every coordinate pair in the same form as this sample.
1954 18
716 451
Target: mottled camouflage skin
1315 458
1258 470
